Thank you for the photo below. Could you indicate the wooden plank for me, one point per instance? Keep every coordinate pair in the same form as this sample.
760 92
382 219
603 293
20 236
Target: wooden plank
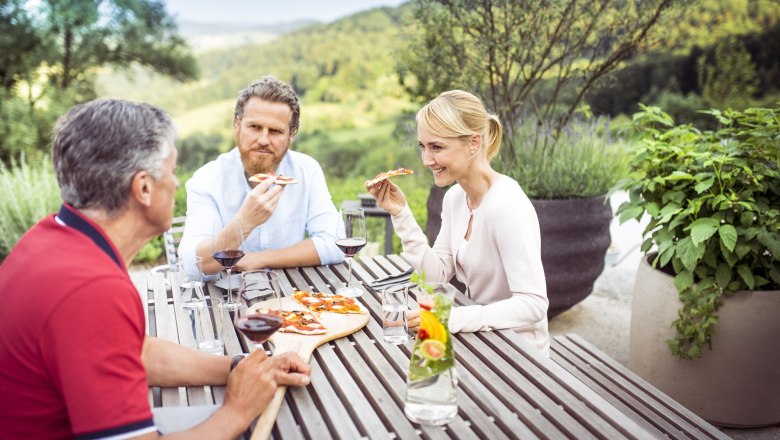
284 281
338 420
285 426
399 261
573 393
305 410
386 265
630 393
183 320
166 329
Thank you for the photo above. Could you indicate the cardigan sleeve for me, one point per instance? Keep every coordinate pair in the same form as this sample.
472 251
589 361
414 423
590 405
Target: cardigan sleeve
437 262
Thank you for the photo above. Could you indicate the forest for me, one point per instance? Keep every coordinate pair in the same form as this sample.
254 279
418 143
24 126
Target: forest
361 78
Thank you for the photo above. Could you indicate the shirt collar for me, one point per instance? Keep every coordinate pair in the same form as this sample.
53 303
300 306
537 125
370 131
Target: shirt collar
70 217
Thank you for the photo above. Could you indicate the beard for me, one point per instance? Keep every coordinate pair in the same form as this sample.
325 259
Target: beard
264 164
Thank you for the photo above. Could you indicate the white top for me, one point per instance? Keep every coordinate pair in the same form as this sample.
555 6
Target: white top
501 267
218 189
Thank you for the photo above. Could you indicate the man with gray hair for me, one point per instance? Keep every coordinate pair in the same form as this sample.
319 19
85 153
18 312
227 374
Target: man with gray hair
74 358
283 226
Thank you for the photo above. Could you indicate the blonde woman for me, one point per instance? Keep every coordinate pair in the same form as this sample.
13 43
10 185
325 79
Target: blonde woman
489 235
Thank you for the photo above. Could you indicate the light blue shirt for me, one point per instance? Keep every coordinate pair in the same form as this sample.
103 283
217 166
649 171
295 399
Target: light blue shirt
218 189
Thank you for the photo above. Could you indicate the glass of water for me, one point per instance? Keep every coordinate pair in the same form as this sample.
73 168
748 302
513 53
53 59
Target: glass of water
395 329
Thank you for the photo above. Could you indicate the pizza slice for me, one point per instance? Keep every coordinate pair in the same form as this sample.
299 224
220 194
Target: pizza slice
280 179
302 322
321 302
392 173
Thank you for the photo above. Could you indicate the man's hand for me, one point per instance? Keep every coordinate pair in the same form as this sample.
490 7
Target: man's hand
388 196
291 369
259 204
251 386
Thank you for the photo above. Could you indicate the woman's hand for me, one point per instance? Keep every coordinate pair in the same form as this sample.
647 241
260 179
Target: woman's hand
413 320
388 196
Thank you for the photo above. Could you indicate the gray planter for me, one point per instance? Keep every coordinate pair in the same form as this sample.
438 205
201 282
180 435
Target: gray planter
737 383
575 238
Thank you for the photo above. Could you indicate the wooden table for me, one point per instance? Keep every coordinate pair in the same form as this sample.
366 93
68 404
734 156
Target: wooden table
506 388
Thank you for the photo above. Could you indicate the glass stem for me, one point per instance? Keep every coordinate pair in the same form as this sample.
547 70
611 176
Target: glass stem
349 271
230 288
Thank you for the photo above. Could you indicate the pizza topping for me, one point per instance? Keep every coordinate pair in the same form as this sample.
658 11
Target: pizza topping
302 322
280 179
387 174
321 302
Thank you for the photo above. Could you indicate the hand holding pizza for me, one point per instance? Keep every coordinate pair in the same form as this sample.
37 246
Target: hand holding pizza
259 204
388 195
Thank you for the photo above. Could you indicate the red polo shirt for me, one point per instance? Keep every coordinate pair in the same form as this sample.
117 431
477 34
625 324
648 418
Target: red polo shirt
71 334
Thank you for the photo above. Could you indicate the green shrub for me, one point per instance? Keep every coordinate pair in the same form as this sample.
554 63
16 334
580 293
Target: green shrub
585 161
713 199
30 192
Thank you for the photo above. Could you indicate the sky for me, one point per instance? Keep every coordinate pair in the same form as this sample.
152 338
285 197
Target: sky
268 11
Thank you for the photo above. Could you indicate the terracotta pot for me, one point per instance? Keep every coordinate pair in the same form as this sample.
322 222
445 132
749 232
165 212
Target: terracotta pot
575 238
737 383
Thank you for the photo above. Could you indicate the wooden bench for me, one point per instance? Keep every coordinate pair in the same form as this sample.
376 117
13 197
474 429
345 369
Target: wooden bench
640 401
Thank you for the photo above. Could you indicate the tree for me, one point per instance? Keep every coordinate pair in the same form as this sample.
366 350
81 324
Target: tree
50 54
524 55
731 80
87 34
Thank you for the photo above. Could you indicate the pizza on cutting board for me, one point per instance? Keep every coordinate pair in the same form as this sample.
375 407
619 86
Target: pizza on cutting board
321 302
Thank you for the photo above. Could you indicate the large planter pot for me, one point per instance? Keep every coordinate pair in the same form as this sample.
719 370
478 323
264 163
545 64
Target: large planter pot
737 383
575 238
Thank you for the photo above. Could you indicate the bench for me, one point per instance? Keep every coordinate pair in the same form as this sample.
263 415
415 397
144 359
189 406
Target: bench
640 401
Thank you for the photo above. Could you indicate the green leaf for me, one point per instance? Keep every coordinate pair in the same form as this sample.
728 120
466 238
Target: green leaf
702 229
747 218
704 185
679 175
747 276
683 280
771 242
630 213
728 236
689 253
723 275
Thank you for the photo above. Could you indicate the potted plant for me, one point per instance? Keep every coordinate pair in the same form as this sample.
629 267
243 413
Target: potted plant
704 327
567 174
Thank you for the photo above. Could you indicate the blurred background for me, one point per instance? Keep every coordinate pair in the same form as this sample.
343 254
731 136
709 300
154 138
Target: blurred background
560 76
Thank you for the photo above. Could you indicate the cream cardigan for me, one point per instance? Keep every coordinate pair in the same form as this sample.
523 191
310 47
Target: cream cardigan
502 264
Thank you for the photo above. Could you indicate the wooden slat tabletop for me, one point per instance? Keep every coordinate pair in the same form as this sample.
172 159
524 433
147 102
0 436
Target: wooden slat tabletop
506 388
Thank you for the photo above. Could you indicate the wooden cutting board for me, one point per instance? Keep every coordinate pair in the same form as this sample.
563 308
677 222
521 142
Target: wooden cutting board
338 325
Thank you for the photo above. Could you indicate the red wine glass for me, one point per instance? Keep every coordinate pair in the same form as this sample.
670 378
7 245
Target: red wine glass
351 238
226 244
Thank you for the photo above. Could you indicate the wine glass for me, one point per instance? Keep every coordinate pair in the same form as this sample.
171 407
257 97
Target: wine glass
226 244
264 318
350 238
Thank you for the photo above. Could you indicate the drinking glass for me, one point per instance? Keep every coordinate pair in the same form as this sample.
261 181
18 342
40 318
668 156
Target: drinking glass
395 328
226 244
264 318
350 238
207 325
189 271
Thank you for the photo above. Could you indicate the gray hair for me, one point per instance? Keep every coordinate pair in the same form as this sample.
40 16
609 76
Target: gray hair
98 147
270 89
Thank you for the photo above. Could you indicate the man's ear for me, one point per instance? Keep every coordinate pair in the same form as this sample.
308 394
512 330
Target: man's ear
141 188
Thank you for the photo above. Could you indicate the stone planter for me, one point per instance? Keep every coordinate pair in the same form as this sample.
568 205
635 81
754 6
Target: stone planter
575 238
737 383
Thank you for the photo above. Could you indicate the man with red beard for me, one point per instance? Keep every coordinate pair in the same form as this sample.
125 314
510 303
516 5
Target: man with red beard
283 226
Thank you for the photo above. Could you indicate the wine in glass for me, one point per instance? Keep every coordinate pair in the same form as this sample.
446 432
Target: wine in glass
350 238
226 244
264 318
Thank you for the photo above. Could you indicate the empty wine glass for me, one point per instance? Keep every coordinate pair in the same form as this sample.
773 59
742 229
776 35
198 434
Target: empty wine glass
264 318
350 238
226 244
